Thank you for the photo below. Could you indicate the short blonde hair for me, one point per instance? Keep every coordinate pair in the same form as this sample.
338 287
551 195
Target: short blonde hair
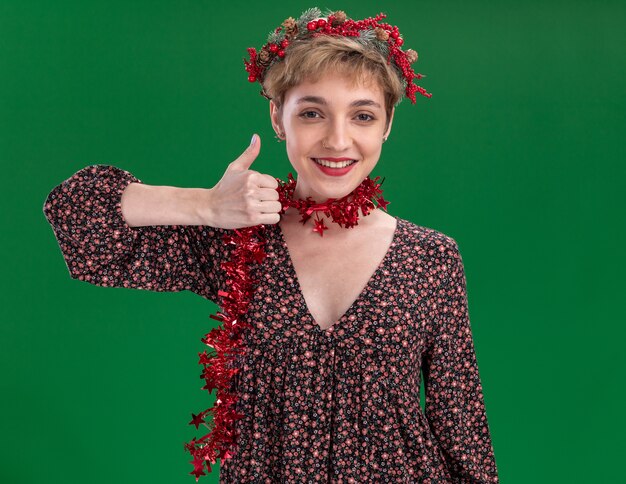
311 58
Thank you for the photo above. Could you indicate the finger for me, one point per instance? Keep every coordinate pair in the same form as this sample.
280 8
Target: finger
268 194
272 206
269 218
248 156
268 181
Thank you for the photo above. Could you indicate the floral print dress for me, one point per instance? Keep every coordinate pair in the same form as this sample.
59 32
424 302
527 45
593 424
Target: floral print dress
336 405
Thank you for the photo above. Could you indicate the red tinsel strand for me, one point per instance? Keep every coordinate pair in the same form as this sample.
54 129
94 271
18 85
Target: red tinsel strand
227 341
342 211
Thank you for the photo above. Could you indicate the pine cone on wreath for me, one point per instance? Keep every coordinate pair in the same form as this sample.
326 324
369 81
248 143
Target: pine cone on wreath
411 55
291 27
381 34
339 17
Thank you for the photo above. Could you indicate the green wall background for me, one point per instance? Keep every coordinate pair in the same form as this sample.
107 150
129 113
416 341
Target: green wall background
517 156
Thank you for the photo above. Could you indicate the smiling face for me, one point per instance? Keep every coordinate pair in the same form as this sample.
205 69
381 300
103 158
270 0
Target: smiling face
335 123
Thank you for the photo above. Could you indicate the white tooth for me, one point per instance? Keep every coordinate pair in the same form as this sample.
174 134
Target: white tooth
333 164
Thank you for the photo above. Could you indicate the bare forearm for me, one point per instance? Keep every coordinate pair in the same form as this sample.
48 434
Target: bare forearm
144 205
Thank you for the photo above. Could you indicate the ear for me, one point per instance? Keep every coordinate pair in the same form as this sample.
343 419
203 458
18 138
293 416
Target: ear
275 116
388 130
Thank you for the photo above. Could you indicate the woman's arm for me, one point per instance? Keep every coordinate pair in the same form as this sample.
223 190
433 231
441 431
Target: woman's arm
115 231
144 205
88 213
454 398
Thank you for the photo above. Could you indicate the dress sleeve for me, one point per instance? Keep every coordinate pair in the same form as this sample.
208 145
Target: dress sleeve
99 247
454 404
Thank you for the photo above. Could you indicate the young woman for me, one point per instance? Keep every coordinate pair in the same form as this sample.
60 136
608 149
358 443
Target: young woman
350 305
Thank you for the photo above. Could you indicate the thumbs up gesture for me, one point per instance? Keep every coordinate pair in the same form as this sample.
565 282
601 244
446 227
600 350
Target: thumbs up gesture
244 197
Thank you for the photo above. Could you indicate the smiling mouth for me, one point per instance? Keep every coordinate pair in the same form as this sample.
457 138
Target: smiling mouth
333 164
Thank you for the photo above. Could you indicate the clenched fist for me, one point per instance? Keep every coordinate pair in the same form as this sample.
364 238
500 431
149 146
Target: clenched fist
244 197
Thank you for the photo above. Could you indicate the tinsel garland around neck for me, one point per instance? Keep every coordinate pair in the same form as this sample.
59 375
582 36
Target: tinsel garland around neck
343 211
226 341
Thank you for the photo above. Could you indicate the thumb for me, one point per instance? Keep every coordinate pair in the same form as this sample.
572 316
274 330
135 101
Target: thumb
249 155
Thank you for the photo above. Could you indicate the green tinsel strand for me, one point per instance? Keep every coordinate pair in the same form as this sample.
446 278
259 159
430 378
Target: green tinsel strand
307 16
276 37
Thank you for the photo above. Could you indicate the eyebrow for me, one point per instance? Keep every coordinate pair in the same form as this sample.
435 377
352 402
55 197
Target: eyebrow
322 101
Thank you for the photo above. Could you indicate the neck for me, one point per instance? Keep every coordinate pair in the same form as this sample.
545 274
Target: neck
302 192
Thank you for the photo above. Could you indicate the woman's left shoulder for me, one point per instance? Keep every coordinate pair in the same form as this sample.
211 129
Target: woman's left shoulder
426 238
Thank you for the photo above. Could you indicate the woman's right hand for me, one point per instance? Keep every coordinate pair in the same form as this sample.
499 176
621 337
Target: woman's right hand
243 197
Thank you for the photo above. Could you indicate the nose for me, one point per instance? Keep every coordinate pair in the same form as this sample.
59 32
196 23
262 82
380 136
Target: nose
338 137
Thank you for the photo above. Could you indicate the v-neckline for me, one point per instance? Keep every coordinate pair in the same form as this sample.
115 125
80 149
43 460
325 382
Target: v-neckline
291 269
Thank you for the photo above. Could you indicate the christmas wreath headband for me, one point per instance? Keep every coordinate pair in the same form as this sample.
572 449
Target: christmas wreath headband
370 32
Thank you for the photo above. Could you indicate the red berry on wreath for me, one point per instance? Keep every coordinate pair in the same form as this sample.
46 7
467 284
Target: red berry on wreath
273 48
399 41
395 34
321 23
252 78
281 53
312 25
284 43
